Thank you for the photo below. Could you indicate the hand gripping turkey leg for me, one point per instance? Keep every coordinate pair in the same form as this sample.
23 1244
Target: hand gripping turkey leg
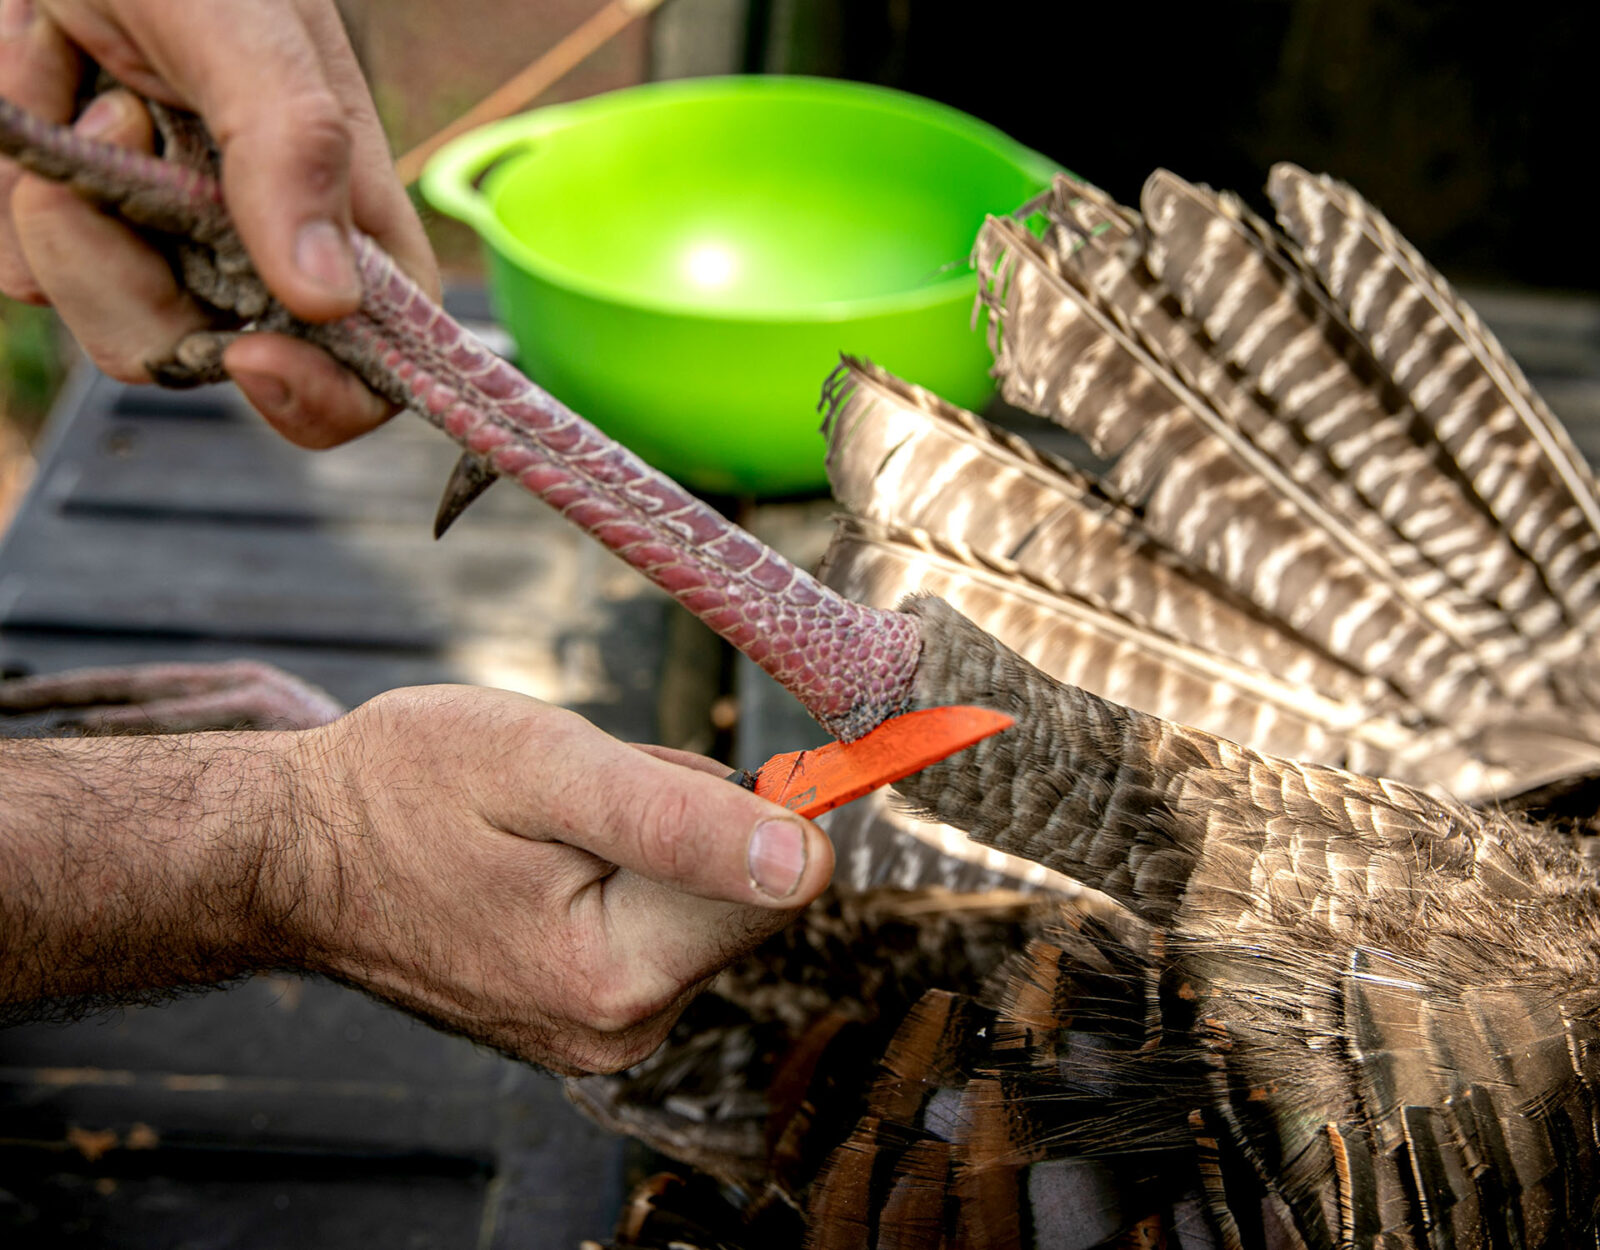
850 665
1071 784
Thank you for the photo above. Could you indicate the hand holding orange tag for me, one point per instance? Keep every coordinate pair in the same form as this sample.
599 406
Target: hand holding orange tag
821 779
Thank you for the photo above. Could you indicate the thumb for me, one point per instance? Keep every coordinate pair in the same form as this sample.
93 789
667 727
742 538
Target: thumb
286 174
710 837
680 825
286 165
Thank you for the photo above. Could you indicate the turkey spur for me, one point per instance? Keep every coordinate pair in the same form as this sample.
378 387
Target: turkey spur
1338 533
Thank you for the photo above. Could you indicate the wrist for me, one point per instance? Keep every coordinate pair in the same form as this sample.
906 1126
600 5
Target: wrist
139 864
314 856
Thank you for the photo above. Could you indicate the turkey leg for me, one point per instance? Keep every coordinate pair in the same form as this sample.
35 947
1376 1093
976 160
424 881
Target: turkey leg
850 665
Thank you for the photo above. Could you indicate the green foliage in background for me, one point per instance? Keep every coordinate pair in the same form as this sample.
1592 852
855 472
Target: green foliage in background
31 364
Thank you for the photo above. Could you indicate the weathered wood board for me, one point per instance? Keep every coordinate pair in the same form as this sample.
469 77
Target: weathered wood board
282 1111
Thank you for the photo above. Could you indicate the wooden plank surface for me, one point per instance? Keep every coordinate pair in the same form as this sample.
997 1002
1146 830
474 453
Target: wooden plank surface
167 527
287 1111
147 529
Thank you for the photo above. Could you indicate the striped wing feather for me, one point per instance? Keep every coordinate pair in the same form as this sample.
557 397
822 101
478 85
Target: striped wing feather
1293 1004
1503 438
1202 487
1027 547
1264 319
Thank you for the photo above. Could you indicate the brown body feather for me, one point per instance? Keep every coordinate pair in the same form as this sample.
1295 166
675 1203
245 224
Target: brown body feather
1280 674
1331 603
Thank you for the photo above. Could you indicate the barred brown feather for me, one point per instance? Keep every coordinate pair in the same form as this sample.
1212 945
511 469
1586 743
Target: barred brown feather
1188 466
1337 584
1265 321
1503 437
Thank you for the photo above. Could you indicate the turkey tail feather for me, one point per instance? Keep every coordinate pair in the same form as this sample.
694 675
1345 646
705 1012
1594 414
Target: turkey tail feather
1438 352
1289 978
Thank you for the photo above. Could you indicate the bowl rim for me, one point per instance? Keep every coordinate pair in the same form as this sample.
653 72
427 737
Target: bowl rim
450 183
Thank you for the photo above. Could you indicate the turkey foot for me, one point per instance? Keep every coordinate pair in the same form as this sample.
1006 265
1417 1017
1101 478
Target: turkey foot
165 698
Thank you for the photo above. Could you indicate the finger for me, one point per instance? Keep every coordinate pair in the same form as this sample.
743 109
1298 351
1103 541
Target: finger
39 72
302 391
578 1048
704 835
118 294
684 759
286 173
306 397
167 54
324 141
662 942
380 204
679 826
638 950
285 168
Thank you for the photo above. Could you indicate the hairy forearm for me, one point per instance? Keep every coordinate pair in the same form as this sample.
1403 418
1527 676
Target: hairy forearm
141 864
494 864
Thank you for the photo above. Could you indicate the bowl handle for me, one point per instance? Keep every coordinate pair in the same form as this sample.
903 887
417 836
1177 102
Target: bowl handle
451 180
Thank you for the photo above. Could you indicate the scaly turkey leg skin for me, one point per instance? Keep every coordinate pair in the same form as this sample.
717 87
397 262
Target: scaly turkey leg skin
851 666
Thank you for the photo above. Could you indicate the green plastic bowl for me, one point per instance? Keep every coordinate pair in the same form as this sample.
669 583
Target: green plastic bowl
683 262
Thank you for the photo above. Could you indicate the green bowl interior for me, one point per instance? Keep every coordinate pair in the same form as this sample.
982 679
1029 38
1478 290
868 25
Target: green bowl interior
756 197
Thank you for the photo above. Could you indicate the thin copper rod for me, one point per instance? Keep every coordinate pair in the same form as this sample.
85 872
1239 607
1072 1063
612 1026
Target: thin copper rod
529 84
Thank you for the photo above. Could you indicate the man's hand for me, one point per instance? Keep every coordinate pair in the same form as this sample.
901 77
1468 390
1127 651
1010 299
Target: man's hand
303 159
492 863
505 868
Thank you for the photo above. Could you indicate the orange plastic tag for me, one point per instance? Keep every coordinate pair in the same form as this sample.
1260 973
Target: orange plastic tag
819 780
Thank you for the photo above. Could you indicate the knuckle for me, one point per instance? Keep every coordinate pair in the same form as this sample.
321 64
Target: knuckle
17 281
117 361
637 1048
602 1054
16 275
664 827
118 58
306 133
390 707
611 1013
619 1002
36 200
322 140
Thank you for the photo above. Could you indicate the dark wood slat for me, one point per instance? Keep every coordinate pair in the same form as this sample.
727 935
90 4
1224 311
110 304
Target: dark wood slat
157 462
380 583
73 1212
170 527
373 589
611 677
184 1115
306 1029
